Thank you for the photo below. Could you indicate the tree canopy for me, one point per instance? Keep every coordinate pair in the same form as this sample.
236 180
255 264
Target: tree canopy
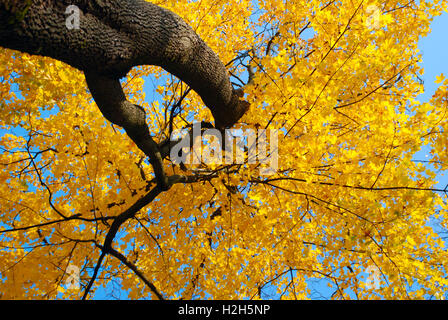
82 202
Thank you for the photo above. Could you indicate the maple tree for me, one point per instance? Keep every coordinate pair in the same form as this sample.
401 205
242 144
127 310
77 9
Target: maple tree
338 79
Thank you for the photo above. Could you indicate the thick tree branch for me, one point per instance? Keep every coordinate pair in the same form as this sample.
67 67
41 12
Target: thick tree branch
113 37
112 102
116 35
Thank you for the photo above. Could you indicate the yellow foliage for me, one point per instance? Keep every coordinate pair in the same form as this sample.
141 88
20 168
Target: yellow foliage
347 196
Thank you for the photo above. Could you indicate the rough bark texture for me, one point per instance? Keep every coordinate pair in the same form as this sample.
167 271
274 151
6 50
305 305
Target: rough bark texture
116 35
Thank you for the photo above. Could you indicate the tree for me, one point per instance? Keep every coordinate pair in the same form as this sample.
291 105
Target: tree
81 200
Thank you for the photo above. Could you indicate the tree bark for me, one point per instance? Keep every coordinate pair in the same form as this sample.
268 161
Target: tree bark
116 35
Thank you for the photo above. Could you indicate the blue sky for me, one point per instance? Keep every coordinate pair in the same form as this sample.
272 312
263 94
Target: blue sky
435 54
434 49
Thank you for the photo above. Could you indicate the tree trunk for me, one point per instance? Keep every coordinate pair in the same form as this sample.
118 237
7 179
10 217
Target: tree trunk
113 37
